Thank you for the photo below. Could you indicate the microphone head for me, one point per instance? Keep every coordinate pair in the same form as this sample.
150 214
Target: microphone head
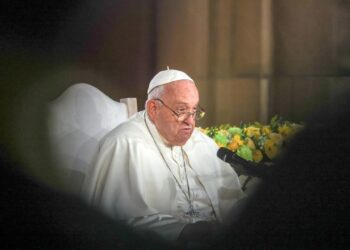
242 166
230 157
224 153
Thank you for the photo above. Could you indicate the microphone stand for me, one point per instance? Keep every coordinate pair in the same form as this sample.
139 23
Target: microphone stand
244 186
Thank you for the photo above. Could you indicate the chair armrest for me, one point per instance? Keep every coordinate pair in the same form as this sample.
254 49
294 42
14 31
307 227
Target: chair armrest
131 104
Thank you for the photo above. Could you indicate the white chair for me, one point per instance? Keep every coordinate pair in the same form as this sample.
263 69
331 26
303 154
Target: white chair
78 119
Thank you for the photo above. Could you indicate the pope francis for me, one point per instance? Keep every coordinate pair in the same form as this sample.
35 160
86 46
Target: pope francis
158 173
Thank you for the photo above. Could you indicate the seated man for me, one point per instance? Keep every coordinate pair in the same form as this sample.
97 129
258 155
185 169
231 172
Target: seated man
157 172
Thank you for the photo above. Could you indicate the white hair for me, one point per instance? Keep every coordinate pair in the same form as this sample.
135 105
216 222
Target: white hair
157 92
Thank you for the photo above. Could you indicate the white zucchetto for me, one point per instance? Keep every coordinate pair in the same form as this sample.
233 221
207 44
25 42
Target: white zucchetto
167 76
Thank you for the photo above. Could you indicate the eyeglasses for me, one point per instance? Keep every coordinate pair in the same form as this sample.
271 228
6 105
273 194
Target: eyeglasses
181 116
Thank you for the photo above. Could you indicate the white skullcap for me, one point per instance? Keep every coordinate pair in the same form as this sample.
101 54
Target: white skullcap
167 76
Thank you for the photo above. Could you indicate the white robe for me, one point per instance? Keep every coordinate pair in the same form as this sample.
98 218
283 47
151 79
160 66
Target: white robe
131 181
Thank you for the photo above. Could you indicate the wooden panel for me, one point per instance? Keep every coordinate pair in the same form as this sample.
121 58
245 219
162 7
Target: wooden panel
305 37
282 99
236 100
296 98
182 36
246 38
343 37
207 100
221 26
235 37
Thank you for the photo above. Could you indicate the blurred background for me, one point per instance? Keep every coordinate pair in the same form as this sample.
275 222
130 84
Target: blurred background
251 59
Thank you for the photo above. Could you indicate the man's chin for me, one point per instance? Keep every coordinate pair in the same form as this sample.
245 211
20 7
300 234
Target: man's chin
183 139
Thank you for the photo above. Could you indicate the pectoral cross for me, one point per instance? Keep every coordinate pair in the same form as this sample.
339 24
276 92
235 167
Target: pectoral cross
192 212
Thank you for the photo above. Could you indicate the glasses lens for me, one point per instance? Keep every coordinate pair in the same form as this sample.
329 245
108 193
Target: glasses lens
184 116
199 114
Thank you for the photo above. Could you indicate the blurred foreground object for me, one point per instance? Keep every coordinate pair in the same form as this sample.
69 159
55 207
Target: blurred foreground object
306 202
35 216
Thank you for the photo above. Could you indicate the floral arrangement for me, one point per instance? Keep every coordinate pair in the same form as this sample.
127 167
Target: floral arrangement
254 141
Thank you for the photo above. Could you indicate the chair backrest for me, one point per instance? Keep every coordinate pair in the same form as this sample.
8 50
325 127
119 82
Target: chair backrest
78 119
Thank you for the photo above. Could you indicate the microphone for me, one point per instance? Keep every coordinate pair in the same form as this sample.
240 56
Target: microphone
242 166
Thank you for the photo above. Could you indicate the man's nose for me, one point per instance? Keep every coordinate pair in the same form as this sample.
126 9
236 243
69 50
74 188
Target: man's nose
190 119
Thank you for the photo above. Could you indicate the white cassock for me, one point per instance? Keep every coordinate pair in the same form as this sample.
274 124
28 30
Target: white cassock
139 179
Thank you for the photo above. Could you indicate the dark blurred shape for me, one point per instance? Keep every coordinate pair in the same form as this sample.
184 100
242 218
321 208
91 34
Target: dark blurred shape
33 24
34 216
35 212
306 202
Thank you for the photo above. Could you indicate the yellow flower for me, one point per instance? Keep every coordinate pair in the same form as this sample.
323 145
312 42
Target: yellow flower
223 132
250 143
271 149
272 145
276 138
252 131
257 155
266 130
285 130
236 141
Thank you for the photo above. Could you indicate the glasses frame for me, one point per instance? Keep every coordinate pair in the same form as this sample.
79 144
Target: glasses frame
199 110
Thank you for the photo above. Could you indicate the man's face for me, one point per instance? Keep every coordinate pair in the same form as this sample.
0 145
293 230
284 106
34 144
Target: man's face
180 96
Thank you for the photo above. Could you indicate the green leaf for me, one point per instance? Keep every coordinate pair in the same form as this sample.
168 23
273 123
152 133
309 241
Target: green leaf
245 152
275 121
212 131
235 131
221 139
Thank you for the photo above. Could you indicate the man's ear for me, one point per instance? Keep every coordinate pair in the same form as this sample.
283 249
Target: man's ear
151 108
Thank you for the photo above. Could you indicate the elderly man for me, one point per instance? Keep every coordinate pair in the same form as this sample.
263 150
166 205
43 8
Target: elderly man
158 172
